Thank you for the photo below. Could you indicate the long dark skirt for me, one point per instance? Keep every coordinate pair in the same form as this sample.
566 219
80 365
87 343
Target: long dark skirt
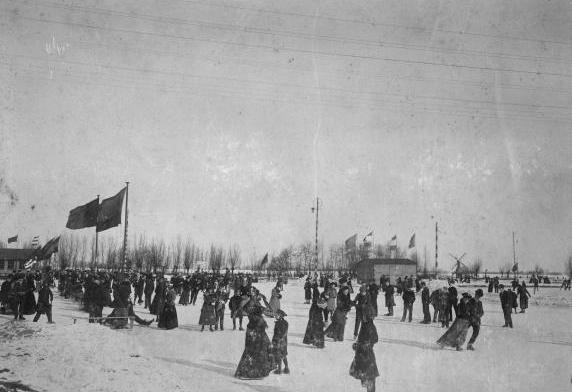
337 327
29 303
168 318
208 315
456 334
153 306
256 360
523 302
364 366
315 329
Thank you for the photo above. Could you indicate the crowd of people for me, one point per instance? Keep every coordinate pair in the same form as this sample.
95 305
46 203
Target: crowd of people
330 301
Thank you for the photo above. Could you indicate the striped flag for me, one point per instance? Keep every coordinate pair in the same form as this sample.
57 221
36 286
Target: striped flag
36 242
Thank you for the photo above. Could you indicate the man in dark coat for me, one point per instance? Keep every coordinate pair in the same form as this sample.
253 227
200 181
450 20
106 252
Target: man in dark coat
453 300
373 291
425 301
139 287
149 288
359 302
98 301
475 311
506 297
389 300
280 342
408 299
45 298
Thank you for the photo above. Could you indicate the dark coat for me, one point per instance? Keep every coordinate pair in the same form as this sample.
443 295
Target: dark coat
364 366
257 359
280 339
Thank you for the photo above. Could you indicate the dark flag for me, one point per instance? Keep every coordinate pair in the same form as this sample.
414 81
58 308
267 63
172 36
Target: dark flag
83 216
264 260
412 241
50 248
515 267
13 239
110 212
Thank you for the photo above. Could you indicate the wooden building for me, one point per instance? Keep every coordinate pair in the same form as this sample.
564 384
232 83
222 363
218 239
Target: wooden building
14 259
368 269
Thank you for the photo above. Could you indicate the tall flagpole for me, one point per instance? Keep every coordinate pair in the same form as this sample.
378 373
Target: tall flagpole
436 246
96 235
126 216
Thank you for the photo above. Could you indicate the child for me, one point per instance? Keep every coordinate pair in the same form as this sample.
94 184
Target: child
280 342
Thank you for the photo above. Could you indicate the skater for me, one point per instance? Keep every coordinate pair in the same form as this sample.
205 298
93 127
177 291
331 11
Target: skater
343 306
331 296
256 361
408 300
45 298
364 366
453 299
435 301
425 301
443 305
373 291
149 288
208 311
221 298
17 296
359 302
280 343
186 293
389 300
506 297
475 310
168 318
236 309
307 291
29 305
315 329
275 297
456 335
524 296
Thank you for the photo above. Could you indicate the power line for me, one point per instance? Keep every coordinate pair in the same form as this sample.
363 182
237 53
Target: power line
306 51
312 36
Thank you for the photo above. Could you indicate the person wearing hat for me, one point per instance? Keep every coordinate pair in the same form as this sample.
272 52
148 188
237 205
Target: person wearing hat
425 301
280 342
364 366
360 300
45 298
307 291
408 300
475 314
315 328
506 297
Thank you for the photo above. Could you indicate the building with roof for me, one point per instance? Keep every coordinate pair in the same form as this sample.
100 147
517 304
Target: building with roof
373 269
14 259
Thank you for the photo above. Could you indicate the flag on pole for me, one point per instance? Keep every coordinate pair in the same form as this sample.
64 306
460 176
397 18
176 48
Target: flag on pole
13 239
412 241
515 267
50 248
30 263
83 216
36 242
368 235
394 238
264 260
351 242
110 212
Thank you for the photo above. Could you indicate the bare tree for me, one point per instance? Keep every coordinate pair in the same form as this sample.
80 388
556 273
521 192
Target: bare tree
189 254
282 261
177 254
233 257
568 267
157 255
216 257
538 270
476 266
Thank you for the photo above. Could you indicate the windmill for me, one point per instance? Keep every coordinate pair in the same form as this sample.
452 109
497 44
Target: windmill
458 266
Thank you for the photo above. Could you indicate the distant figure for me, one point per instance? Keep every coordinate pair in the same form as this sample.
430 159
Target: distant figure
389 300
315 328
456 335
425 301
524 296
506 297
168 318
408 300
307 291
236 309
364 366
343 306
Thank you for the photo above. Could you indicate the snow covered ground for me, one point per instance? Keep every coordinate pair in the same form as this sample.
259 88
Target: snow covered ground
535 355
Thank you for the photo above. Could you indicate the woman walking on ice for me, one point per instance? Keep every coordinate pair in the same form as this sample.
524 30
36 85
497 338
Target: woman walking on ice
364 366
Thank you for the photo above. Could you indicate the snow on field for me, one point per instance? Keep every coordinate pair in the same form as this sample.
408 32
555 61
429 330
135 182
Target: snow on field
535 355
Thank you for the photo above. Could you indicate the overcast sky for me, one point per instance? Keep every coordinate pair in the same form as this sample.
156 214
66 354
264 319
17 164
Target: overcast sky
230 117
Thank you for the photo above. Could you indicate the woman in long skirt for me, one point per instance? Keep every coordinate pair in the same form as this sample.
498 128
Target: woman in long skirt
455 336
256 361
186 294
364 366
208 311
307 291
338 325
315 329
524 295
168 318
29 306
